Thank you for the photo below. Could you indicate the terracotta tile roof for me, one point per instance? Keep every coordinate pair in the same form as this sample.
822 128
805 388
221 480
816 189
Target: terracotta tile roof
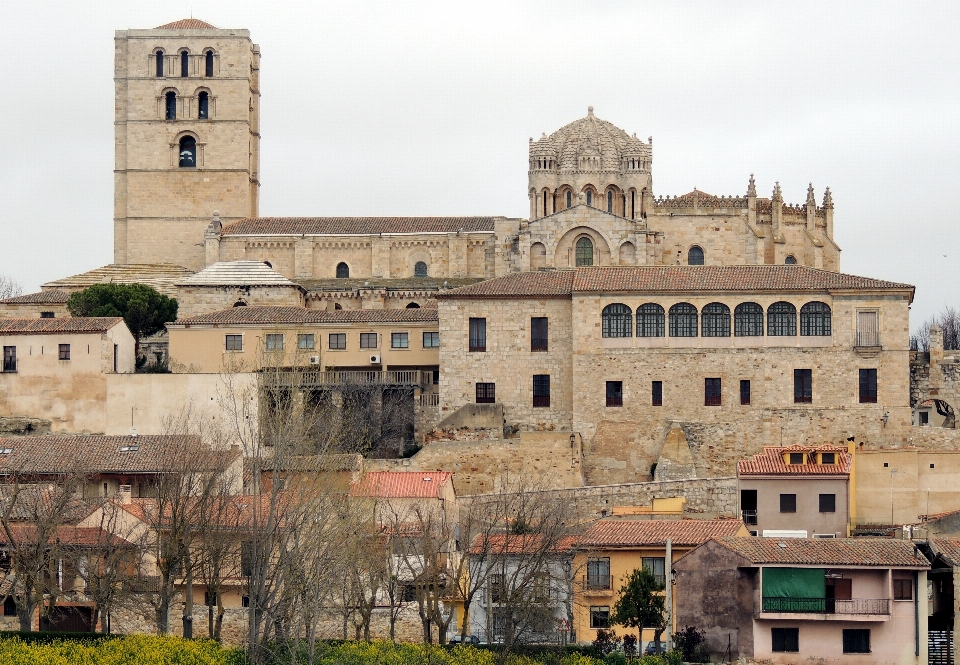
752 279
41 455
304 316
618 533
538 284
161 276
229 273
52 297
506 544
827 551
91 324
357 225
187 24
68 535
402 484
948 548
390 284
235 511
300 463
770 462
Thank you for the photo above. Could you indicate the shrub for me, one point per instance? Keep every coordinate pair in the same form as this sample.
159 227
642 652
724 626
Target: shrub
141 649
692 644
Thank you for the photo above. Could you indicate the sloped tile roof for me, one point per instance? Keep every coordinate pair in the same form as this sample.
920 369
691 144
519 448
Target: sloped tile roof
245 273
388 283
506 544
752 279
538 284
302 315
827 551
52 297
949 548
88 324
770 462
402 484
357 225
617 533
68 535
160 276
187 24
102 454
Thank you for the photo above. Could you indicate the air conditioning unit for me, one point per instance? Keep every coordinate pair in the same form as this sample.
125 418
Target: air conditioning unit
314 360
375 359
824 535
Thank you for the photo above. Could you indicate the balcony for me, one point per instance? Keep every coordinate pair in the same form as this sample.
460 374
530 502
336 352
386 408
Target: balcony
304 379
867 343
596 585
749 516
836 606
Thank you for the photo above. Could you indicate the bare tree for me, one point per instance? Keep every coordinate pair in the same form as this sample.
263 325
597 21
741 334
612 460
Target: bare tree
948 321
9 287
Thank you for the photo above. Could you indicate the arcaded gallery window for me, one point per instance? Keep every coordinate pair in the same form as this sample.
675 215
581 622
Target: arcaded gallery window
815 320
616 321
650 320
748 320
715 319
584 252
188 152
683 320
781 320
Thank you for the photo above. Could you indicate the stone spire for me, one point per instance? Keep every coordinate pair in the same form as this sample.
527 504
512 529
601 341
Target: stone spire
752 187
776 212
777 193
811 200
827 199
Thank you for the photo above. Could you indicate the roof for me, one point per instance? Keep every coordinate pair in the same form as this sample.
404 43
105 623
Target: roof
357 225
187 24
87 324
248 273
827 551
617 533
770 462
52 297
602 142
389 284
160 276
54 454
948 548
307 463
303 316
67 535
752 279
508 543
538 284
402 484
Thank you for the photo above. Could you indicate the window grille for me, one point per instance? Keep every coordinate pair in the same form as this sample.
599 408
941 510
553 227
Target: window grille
478 335
815 320
650 320
486 393
748 320
683 320
868 386
711 392
584 252
541 390
538 334
715 320
803 386
614 393
616 321
420 269
695 256
781 320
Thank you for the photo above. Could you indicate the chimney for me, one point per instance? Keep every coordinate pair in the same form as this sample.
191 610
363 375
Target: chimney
125 494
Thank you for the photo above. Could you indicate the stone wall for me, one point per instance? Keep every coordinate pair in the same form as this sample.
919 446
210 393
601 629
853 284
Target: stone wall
196 300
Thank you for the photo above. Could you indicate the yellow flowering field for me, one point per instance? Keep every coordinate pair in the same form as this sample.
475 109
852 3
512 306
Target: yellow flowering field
133 650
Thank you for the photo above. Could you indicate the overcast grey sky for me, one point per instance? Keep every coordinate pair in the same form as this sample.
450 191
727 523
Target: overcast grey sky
425 108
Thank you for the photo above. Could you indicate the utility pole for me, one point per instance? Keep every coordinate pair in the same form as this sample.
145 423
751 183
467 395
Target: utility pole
668 589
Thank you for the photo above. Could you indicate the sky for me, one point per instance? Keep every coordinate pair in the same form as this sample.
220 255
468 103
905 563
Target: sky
426 108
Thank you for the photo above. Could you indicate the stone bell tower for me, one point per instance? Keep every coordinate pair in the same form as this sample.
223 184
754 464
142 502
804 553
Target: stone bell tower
187 134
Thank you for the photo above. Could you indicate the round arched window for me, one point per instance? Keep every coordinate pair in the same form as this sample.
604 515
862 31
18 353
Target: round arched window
159 64
584 252
790 260
188 151
420 269
170 105
695 256
413 305
343 271
203 106
239 303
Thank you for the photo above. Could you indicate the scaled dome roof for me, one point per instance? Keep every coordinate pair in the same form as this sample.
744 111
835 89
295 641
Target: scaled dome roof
589 144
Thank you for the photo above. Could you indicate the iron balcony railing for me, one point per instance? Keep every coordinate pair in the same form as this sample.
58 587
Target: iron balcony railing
868 338
749 516
350 378
597 582
827 605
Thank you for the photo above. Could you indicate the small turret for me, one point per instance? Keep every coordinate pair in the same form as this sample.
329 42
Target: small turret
752 187
828 212
776 212
811 209
752 202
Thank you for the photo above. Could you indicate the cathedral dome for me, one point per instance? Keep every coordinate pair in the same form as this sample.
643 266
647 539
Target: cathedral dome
590 144
186 24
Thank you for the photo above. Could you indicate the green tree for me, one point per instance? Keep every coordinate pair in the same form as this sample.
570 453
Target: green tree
640 604
143 308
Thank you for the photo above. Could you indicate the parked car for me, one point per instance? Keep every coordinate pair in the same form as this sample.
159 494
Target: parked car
652 648
469 639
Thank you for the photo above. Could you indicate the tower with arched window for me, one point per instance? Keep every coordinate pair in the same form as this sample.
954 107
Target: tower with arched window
187 138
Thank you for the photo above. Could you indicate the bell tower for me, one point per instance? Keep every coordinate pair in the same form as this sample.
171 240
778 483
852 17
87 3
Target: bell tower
187 137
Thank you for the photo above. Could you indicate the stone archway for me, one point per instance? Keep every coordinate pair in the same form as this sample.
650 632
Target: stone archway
935 412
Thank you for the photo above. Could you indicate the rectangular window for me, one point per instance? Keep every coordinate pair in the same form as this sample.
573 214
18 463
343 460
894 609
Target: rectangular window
337 341
614 393
64 352
478 335
244 601
234 342
745 392
856 640
903 589
924 417
711 392
599 616
796 458
656 390
788 503
868 386
399 341
803 386
828 503
538 333
431 340
828 458
305 341
369 340
598 573
748 506
868 332
785 640
209 599
541 390
46 315
655 564
274 342
486 393
497 588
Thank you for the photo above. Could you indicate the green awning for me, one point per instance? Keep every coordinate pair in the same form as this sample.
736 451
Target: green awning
794 583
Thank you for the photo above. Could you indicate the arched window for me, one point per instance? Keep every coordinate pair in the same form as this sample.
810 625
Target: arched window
171 105
343 270
748 320
584 252
239 303
159 64
683 320
650 320
815 320
538 255
188 151
203 106
589 197
695 256
420 269
184 64
610 201
413 305
781 320
209 63
715 320
337 306
791 260
545 203
617 321
569 199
